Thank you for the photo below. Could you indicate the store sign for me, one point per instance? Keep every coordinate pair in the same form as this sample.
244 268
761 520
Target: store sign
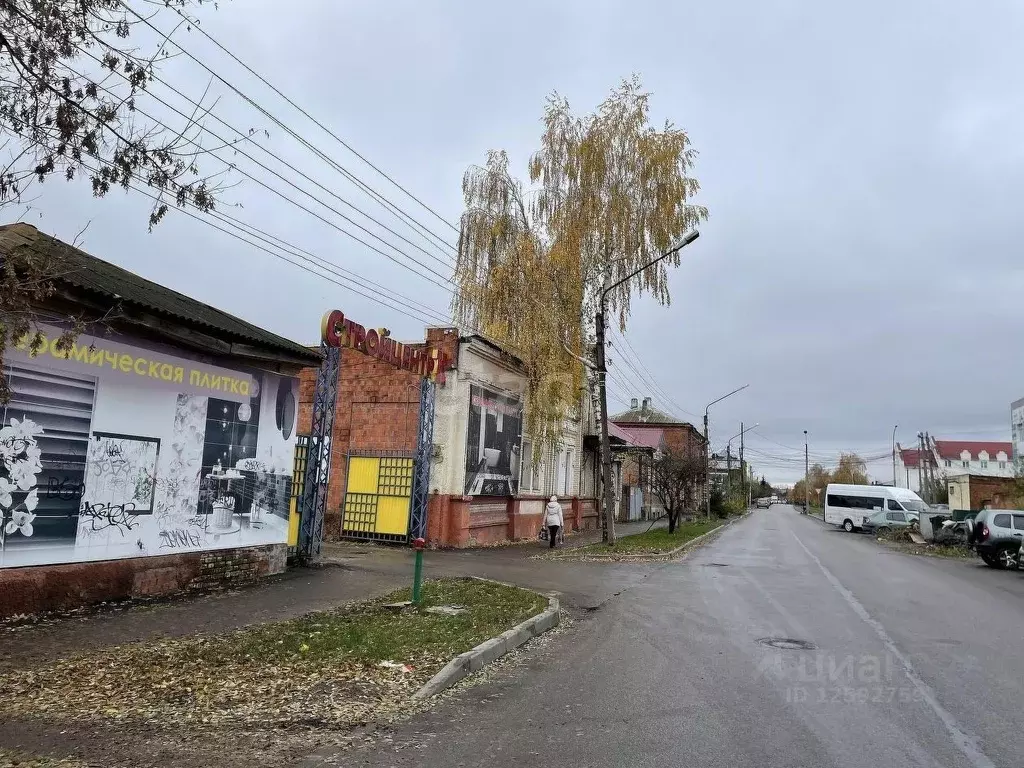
338 331
133 364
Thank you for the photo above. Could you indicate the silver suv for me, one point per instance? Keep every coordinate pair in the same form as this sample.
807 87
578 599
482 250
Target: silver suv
997 535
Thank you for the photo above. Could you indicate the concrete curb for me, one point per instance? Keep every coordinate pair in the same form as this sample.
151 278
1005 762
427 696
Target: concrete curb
819 519
491 650
654 556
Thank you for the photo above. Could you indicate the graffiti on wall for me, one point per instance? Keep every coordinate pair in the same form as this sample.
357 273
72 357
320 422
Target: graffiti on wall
122 468
107 466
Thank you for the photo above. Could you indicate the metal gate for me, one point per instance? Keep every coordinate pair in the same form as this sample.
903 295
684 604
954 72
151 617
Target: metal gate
378 496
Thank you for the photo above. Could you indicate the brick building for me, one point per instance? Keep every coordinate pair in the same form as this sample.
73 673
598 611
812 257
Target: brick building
154 454
645 426
489 480
974 492
377 410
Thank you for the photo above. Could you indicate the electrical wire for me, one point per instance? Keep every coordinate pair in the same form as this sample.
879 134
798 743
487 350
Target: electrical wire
198 27
378 299
644 372
445 285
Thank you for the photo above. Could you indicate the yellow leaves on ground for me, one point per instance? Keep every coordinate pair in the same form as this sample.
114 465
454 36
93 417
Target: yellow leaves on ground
322 670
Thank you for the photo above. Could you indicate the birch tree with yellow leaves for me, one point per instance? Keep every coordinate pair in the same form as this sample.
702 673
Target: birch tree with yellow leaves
605 193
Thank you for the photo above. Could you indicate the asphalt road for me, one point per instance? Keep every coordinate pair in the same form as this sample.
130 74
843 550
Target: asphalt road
916 662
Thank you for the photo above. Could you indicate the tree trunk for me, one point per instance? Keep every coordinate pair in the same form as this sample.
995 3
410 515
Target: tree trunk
672 515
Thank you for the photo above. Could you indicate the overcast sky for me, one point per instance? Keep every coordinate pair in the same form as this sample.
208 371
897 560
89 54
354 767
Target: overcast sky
862 166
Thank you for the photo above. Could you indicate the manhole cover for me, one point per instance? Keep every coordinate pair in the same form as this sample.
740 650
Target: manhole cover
787 643
717 565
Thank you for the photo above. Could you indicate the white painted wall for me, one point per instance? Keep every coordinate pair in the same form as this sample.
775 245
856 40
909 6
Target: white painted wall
480 364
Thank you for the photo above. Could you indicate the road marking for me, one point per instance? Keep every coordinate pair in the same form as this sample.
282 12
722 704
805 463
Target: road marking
966 743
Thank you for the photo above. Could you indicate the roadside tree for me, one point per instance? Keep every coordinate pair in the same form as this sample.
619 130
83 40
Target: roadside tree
852 470
676 474
607 192
69 82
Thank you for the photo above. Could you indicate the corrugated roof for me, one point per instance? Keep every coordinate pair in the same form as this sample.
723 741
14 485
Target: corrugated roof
84 271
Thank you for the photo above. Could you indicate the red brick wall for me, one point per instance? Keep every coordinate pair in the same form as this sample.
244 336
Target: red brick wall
472 521
377 409
999 492
42 588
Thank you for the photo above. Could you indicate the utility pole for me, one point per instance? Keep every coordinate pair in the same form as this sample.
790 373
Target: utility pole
707 440
707 465
894 483
728 466
607 521
921 462
743 469
931 468
607 518
807 478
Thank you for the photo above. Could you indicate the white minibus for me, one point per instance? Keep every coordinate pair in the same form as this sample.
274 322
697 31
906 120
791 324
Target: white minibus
850 505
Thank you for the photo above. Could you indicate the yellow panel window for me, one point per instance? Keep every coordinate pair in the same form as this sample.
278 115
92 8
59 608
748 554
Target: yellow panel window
392 515
362 474
360 513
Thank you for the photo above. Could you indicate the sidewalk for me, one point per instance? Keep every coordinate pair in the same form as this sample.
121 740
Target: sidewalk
351 572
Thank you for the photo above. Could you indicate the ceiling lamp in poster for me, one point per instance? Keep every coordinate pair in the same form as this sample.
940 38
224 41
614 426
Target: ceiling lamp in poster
493 443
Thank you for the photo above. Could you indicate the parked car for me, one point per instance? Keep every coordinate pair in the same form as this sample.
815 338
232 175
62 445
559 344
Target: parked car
884 521
763 503
997 535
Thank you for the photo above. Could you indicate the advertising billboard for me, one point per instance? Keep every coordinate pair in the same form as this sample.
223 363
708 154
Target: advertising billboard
493 443
118 449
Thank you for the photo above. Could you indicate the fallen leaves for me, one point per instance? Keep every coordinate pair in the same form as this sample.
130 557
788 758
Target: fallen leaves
329 670
9 759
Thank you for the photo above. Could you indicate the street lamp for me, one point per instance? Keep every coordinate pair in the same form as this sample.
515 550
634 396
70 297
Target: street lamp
707 445
807 481
894 455
728 450
607 523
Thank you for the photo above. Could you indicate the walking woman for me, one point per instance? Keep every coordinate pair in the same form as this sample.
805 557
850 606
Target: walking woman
553 520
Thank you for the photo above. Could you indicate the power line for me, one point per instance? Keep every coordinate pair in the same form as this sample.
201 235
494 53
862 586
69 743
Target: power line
274 173
285 197
284 244
195 24
412 314
265 168
643 369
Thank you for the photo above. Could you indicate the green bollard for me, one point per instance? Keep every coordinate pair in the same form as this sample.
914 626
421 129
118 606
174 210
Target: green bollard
417 578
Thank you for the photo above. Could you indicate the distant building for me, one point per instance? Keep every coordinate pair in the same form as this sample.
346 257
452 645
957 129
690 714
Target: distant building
984 458
644 426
